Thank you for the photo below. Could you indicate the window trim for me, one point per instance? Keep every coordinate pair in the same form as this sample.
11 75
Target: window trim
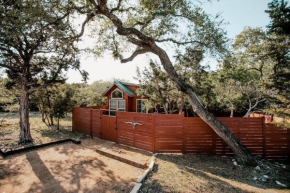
114 91
141 106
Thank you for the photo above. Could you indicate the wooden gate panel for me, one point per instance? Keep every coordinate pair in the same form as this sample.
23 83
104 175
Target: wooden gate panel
108 128
141 136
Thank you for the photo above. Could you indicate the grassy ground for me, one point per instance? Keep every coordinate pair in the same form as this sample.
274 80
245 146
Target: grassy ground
41 133
201 173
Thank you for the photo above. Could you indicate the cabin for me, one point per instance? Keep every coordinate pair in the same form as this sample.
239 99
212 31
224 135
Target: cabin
122 96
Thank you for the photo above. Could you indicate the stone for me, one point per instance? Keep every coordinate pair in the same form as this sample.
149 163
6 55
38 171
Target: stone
280 184
235 163
258 168
265 176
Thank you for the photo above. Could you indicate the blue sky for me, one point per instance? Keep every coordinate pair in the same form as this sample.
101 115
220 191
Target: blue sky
240 13
237 13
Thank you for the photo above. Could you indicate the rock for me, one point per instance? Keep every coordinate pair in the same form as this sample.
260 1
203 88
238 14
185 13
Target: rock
255 178
263 179
283 166
265 176
235 163
258 168
280 184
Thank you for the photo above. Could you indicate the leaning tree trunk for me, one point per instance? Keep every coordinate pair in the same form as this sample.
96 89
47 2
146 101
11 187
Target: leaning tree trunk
147 44
25 136
232 113
243 155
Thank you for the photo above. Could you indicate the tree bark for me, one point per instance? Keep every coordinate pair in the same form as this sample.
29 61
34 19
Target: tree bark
25 136
57 123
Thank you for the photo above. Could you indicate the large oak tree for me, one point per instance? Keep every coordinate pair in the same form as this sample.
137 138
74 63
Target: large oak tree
147 25
37 46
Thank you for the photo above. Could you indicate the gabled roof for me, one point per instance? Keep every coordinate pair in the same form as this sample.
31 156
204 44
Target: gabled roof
121 86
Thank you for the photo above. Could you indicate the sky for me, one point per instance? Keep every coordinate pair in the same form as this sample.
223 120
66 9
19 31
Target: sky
238 14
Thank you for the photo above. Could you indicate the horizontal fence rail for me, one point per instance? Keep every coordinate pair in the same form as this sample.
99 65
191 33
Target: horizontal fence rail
178 134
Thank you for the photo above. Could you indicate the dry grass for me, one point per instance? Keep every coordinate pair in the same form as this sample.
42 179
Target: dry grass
41 133
200 173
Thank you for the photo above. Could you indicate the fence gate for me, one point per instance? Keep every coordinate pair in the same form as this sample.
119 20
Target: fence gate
108 128
136 130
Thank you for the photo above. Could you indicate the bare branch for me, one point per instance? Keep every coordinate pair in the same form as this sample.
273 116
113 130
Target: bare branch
118 6
178 42
136 53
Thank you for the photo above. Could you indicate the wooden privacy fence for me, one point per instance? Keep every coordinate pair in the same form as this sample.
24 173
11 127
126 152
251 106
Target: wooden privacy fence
178 134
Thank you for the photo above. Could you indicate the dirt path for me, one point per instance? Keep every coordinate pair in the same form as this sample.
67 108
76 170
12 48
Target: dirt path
67 168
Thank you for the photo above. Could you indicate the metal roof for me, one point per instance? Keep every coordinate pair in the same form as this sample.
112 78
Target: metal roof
122 87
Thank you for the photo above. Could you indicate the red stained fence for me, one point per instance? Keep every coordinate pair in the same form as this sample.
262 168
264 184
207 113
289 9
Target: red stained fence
179 134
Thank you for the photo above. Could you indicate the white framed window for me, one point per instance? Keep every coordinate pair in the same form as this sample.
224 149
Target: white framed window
117 94
119 105
140 106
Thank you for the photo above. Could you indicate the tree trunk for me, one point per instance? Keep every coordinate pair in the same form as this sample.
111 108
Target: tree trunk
25 136
42 114
242 153
57 123
232 113
49 107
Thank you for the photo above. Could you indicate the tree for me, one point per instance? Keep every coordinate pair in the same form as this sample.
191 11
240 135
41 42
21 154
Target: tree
147 24
266 52
63 102
279 14
92 95
238 87
279 41
155 84
37 45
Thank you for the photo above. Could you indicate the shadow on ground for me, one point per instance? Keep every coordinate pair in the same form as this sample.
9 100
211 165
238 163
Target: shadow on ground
66 168
195 173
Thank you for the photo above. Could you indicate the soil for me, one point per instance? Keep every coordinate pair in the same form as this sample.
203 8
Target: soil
40 132
69 168
201 173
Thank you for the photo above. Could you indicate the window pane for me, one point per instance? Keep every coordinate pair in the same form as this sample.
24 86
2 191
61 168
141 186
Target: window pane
117 94
141 106
113 105
121 105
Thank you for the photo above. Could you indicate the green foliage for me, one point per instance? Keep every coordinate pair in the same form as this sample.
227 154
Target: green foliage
8 97
181 23
279 13
92 95
155 84
37 42
63 102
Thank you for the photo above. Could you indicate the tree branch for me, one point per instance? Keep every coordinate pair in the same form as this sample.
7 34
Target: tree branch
136 53
178 42
118 6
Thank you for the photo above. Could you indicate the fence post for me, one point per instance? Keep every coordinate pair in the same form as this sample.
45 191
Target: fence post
91 122
288 142
264 137
184 133
213 142
153 132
